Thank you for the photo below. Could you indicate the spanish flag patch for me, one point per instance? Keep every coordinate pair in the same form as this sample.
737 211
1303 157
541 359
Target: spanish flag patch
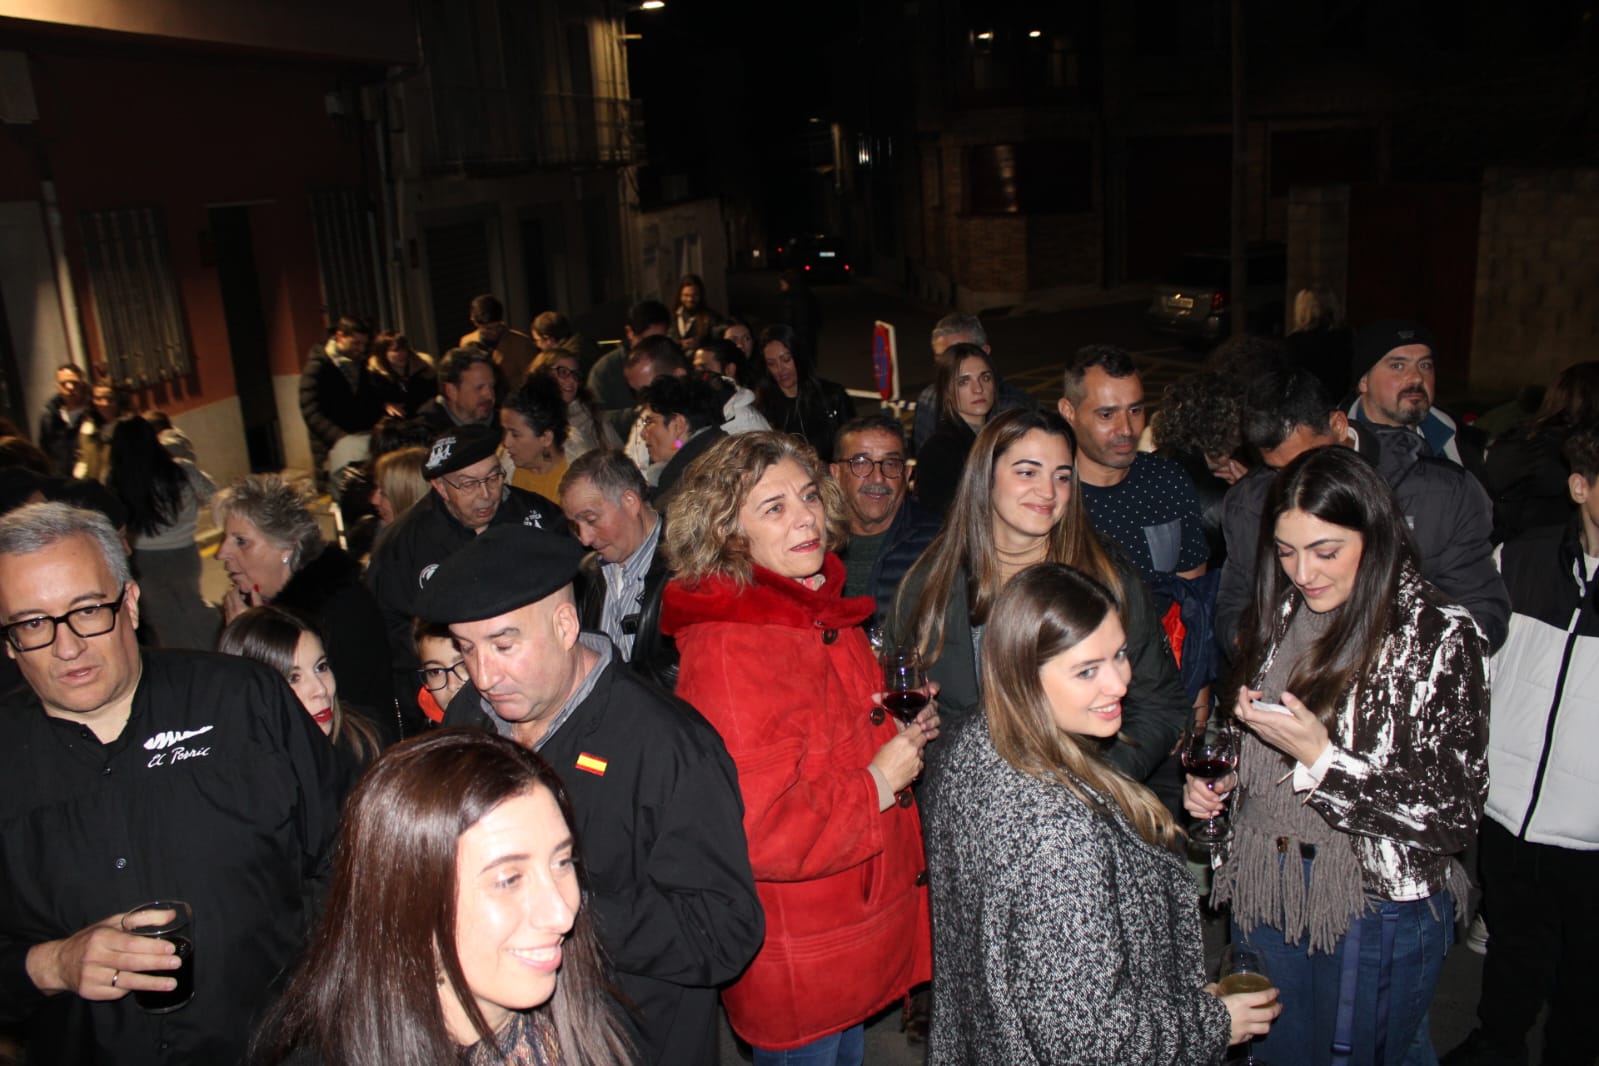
592 764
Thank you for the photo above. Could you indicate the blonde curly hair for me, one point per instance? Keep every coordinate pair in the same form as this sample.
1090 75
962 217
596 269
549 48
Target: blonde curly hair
703 535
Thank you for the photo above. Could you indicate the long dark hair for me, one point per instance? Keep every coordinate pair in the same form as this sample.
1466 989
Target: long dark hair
767 391
271 635
368 991
1045 611
1337 486
144 476
967 539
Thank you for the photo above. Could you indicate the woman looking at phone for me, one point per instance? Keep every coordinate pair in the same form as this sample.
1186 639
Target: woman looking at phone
1359 798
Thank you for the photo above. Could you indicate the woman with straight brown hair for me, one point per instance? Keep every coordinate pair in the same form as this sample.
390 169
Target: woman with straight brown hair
455 929
1064 920
1018 504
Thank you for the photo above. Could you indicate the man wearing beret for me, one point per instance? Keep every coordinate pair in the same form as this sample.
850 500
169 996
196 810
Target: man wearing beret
654 794
1396 372
469 495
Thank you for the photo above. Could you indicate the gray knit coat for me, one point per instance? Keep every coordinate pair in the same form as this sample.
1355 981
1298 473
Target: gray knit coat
1059 935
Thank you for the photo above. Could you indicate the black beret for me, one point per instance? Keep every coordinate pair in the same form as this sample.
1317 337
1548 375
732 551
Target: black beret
1378 339
459 448
505 567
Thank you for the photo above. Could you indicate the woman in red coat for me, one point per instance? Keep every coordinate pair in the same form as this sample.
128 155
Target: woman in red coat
774 656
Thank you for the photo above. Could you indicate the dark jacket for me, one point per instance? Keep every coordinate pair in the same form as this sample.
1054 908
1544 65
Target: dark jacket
328 591
410 393
1448 512
656 806
654 654
1525 475
413 547
672 472
908 536
816 413
332 409
939 462
58 438
219 792
1155 710
1061 935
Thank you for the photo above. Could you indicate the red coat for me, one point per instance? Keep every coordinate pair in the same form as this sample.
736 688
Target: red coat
786 676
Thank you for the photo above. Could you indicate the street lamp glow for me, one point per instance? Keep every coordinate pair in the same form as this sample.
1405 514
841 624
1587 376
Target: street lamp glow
1035 34
652 5
986 35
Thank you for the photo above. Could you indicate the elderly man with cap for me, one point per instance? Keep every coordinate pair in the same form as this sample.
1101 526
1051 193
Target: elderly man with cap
469 495
1396 373
655 798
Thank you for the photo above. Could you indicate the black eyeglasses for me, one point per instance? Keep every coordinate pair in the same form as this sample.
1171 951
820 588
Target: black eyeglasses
563 371
97 619
436 678
491 480
861 466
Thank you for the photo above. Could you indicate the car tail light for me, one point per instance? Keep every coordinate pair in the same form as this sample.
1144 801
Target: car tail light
780 249
807 266
846 267
1218 300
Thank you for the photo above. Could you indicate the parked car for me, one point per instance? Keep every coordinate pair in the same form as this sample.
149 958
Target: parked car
1192 300
822 258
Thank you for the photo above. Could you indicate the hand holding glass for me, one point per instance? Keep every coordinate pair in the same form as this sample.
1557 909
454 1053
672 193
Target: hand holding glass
146 920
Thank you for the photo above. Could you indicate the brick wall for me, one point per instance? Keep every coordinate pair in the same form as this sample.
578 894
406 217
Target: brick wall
1537 306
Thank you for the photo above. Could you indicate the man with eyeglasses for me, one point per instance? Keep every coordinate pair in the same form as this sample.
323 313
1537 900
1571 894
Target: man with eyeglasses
888 531
128 776
470 494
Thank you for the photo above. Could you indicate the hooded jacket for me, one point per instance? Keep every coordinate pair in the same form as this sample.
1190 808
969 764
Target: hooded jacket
787 677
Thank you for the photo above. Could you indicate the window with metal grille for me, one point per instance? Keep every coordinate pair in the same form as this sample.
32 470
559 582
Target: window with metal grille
136 295
346 252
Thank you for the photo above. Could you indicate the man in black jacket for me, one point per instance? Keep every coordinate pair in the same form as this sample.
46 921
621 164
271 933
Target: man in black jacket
888 531
1449 514
620 581
63 418
336 397
130 777
469 495
654 793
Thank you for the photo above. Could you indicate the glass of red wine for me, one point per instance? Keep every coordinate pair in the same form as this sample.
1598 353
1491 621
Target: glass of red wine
1211 756
904 683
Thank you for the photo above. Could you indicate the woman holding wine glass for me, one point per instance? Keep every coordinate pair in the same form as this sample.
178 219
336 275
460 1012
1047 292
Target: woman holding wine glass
772 653
1362 769
1017 504
1064 919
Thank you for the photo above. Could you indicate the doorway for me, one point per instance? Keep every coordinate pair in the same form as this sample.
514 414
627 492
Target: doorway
234 248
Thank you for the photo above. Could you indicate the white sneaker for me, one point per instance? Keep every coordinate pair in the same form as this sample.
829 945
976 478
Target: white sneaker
1477 936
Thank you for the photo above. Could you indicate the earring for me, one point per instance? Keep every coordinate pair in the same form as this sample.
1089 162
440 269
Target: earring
676 444
285 560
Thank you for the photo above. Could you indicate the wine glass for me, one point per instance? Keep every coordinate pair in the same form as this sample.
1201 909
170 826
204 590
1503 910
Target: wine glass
1211 756
1243 969
904 683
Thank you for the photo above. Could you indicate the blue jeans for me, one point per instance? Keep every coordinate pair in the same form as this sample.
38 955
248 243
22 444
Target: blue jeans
841 1049
1308 984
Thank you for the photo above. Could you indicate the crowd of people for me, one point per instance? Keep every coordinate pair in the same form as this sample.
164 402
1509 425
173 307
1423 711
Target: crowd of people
577 729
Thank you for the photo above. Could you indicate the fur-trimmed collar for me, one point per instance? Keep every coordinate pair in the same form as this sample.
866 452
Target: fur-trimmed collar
320 580
770 600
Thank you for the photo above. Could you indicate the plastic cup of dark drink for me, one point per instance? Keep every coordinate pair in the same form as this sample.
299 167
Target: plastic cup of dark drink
144 920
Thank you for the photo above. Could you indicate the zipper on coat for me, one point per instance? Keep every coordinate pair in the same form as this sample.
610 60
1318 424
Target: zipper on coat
1554 704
